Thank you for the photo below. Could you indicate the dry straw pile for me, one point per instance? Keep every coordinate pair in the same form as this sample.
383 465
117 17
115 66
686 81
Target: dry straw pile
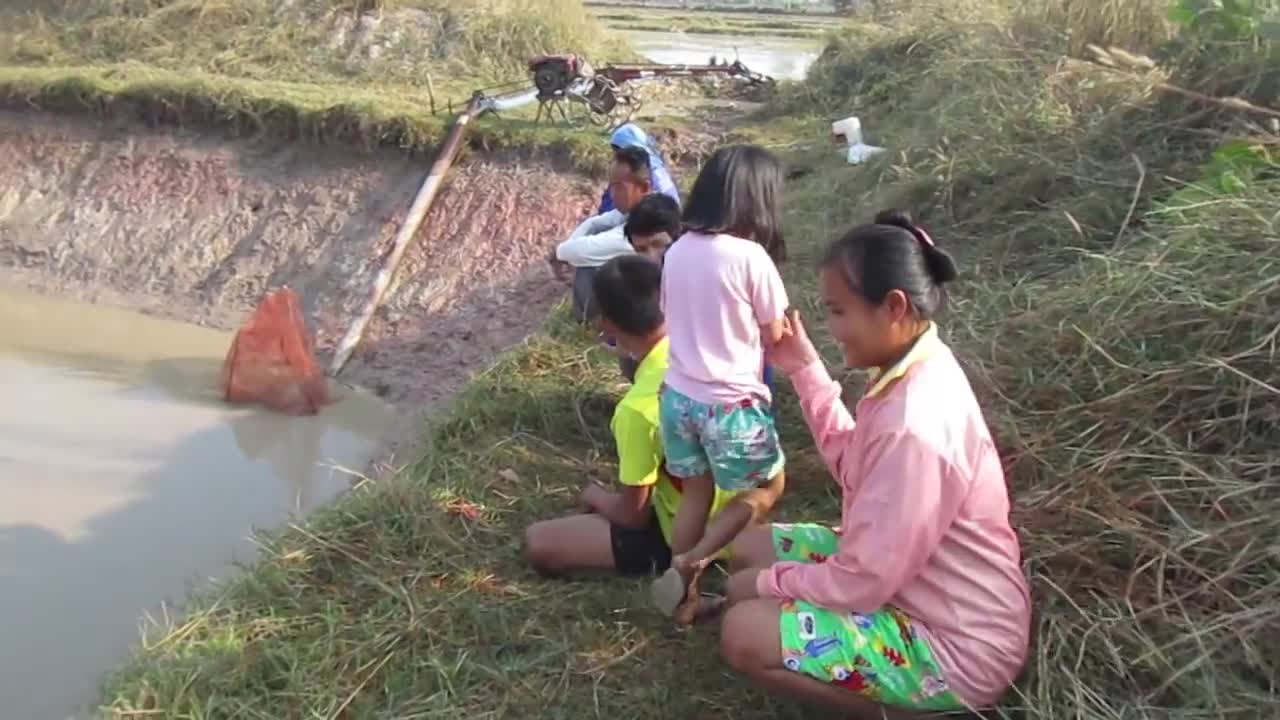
387 42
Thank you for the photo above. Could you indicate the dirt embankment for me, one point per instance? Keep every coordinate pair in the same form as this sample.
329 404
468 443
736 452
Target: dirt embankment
196 228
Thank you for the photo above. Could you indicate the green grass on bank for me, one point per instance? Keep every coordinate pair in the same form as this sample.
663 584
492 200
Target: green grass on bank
310 69
396 42
409 599
1119 317
364 117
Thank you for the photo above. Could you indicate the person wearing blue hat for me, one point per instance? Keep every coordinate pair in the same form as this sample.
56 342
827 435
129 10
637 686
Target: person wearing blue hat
631 136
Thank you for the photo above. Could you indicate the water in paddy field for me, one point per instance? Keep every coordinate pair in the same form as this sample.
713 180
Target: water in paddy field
125 481
781 58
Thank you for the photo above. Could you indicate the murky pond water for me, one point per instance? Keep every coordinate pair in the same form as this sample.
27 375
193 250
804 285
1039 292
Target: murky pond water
124 482
779 57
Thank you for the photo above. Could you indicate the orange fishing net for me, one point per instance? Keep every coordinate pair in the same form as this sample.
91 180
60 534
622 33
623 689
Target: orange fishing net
272 360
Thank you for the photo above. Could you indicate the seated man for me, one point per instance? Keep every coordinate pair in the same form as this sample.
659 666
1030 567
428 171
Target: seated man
627 530
601 238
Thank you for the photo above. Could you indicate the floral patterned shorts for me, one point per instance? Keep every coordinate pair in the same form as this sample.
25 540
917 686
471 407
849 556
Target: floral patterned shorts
737 443
880 656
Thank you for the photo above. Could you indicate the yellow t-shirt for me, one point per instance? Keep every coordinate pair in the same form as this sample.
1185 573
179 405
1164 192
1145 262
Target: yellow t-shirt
635 430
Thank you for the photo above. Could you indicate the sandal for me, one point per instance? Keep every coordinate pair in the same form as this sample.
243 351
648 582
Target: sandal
675 598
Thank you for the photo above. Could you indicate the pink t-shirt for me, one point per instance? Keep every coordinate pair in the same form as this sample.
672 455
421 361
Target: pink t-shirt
717 290
925 522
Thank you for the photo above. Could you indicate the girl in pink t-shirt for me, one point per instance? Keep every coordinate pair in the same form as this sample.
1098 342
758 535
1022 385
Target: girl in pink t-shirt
916 601
724 302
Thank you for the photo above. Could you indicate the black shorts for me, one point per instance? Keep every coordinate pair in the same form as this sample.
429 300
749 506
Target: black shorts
641 551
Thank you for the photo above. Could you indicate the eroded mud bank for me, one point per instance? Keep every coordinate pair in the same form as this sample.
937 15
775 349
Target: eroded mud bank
196 228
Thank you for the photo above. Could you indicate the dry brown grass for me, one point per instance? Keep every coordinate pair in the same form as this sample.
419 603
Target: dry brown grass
1120 317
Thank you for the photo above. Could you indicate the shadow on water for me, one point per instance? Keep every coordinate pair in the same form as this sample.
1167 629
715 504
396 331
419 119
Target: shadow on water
146 487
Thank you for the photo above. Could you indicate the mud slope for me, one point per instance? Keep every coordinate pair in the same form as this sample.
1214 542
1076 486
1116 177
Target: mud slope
191 227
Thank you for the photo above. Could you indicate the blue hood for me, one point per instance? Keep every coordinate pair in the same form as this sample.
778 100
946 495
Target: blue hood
630 135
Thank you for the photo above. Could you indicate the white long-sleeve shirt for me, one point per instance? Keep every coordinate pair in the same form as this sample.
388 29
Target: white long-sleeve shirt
596 241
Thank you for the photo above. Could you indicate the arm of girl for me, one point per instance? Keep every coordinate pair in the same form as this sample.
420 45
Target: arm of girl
905 503
829 420
768 298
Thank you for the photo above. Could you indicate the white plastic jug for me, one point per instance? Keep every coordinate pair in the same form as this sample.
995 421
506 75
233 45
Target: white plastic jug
857 151
850 128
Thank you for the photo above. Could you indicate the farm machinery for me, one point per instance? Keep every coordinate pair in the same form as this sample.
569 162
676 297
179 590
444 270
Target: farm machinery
605 96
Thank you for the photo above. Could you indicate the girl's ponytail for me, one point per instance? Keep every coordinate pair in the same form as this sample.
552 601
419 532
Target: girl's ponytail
894 253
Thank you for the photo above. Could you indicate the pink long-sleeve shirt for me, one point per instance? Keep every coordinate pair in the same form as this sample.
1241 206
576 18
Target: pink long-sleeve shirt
925 519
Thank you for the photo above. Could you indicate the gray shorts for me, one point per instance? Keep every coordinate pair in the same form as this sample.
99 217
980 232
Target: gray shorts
584 310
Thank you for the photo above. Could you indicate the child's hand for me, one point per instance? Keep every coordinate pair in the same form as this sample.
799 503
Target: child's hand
589 498
794 351
687 566
610 345
787 330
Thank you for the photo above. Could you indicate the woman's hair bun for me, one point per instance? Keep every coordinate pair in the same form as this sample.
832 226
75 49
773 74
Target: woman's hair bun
942 267
897 218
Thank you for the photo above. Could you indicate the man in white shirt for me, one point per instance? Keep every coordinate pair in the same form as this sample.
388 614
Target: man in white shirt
601 238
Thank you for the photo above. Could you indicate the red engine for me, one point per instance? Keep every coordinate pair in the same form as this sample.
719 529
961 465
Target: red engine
552 74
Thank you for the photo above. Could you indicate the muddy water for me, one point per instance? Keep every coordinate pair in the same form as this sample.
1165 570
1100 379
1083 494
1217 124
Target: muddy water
779 57
124 482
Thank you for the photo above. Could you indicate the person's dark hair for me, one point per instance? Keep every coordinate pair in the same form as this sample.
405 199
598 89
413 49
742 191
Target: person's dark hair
654 213
893 253
627 292
637 160
739 192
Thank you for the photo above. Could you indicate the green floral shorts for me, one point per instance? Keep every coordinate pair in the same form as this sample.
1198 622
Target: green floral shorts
880 656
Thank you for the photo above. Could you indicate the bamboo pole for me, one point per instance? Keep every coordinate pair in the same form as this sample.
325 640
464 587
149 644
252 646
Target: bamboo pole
417 213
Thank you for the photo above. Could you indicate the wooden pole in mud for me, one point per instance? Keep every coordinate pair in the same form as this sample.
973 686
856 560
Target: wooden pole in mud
417 213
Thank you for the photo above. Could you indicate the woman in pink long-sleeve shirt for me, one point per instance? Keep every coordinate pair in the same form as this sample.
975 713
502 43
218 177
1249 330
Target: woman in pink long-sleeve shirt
917 601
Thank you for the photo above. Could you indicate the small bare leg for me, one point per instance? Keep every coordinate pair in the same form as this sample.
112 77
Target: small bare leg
746 509
690 521
673 590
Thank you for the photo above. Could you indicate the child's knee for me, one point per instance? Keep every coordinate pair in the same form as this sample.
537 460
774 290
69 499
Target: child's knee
539 550
741 586
739 633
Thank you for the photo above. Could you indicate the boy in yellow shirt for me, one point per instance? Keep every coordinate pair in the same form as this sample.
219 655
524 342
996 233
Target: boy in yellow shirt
627 530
